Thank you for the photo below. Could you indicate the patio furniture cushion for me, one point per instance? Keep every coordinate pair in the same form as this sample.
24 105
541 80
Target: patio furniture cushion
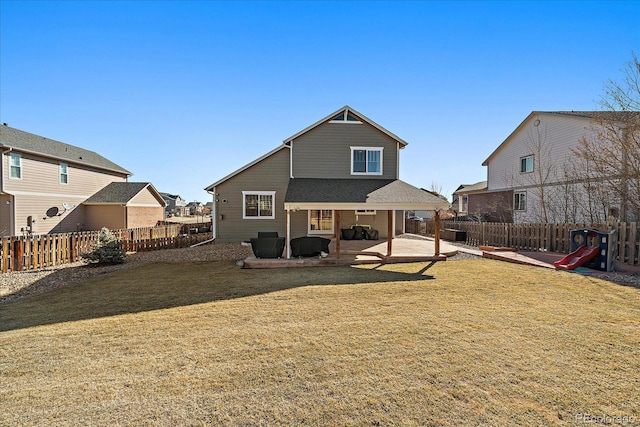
309 246
267 247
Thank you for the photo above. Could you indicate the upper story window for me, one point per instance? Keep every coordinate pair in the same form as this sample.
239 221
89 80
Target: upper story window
366 160
258 204
345 117
15 166
526 164
64 176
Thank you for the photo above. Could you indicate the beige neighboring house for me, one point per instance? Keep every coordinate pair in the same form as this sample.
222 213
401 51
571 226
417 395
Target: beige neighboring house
44 185
537 168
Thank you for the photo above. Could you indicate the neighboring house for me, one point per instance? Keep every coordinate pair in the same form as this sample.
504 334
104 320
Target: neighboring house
195 208
538 173
124 205
342 170
44 184
473 202
176 205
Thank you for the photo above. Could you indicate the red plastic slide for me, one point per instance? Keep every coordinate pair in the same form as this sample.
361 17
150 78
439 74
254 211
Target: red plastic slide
579 257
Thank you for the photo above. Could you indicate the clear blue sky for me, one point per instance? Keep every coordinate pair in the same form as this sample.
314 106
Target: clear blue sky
183 93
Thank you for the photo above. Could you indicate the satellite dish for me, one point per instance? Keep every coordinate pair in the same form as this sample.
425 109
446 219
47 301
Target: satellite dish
67 206
51 212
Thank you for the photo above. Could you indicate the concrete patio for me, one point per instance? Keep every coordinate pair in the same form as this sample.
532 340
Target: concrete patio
406 248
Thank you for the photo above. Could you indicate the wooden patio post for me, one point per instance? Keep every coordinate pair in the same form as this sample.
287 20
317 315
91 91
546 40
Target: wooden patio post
389 231
437 233
338 227
287 238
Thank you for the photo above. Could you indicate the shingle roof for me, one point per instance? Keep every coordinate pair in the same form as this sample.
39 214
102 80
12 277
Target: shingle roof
467 188
24 141
381 191
118 192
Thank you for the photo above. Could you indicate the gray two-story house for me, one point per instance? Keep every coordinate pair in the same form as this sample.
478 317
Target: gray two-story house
341 171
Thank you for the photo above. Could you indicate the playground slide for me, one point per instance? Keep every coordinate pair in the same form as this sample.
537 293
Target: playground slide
579 257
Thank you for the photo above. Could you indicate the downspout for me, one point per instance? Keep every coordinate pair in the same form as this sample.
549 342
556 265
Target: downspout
214 219
287 237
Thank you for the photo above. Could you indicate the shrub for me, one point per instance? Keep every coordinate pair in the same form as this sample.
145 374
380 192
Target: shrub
107 250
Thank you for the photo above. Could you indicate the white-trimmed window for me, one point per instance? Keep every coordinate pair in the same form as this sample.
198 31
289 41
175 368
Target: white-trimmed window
526 164
366 160
520 201
64 174
320 221
365 211
15 166
258 204
345 117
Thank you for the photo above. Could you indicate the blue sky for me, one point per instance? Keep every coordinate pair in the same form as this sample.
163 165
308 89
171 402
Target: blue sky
183 93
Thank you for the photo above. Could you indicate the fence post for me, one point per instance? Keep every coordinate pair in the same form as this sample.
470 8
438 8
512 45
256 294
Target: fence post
18 255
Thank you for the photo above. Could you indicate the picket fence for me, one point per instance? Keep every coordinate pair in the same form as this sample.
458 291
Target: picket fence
18 253
535 237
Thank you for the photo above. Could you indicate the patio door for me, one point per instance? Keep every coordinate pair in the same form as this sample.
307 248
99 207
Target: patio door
320 221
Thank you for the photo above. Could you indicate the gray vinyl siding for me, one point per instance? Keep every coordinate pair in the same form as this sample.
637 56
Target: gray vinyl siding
324 152
299 224
270 174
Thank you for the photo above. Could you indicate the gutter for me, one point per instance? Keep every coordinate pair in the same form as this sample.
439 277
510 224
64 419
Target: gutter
214 217
2 169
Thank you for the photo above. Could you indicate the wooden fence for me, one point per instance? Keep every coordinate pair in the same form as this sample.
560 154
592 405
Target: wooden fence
19 253
536 237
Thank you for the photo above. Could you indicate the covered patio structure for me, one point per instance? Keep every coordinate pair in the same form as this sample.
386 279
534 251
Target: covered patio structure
323 207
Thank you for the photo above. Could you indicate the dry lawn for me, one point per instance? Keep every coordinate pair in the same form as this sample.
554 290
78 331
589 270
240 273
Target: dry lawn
475 342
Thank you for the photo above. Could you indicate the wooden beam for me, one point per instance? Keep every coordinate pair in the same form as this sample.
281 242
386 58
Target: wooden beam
389 231
338 228
437 233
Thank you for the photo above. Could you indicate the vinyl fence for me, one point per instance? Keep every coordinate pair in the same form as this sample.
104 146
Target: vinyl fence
536 237
19 253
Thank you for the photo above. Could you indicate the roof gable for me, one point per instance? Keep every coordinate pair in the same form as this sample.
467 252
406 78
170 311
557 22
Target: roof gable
577 115
347 114
122 193
30 143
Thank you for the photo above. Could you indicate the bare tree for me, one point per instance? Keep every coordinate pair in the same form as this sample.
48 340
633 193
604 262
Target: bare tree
543 172
613 149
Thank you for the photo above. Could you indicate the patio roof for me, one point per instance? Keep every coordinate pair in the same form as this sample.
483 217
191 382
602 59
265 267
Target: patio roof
382 194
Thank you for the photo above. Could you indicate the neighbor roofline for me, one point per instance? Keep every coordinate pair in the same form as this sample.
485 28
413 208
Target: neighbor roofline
121 171
364 118
571 114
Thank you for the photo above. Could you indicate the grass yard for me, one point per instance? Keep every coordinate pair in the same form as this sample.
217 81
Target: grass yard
475 342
